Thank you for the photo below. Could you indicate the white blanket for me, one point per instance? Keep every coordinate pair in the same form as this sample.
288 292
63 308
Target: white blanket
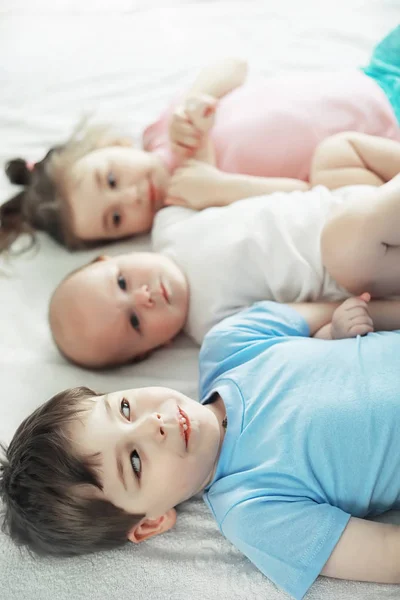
124 59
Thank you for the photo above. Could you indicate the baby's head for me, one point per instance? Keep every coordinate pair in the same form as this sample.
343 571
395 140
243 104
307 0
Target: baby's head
87 472
116 310
93 188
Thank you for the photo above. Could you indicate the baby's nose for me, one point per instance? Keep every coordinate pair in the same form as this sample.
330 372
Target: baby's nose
142 296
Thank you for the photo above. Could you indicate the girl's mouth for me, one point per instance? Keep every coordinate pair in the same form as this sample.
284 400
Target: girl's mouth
152 195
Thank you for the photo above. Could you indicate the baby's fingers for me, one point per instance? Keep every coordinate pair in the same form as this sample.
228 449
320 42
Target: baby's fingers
361 326
359 310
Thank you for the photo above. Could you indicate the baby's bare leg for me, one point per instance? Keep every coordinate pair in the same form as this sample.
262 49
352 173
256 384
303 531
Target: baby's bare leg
360 244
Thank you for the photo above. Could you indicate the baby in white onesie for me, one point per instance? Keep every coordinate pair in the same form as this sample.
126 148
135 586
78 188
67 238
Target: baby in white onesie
260 248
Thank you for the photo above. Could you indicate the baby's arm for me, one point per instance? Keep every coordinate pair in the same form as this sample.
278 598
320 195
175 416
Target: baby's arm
366 551
351 158
355 316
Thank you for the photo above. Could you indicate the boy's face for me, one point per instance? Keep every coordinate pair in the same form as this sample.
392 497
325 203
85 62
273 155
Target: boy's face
114 192
148 462
119 308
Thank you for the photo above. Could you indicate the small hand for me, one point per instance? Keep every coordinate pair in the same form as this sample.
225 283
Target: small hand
190 124
352 318
196 185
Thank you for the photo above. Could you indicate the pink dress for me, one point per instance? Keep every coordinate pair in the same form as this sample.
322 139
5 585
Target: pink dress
271 128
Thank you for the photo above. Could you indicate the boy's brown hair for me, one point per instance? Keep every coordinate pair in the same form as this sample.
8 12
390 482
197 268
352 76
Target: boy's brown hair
45 486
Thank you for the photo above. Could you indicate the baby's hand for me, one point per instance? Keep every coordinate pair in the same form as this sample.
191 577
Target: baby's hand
352 318
190 124
196 185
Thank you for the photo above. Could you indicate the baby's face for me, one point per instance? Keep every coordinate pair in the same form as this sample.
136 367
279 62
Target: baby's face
115 192
156 447
120 308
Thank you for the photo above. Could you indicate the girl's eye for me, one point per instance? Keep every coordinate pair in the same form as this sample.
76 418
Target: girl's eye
116 219
121 282
136 463
125 409
135 321
111 180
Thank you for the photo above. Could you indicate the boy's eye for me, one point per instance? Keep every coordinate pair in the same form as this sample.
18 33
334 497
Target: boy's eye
126 409
116 219
135 321
136 463
121 282
111 180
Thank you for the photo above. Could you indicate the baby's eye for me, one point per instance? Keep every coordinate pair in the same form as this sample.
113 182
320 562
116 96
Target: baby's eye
111 180
116 219
135 321
121 282
136 463
125 409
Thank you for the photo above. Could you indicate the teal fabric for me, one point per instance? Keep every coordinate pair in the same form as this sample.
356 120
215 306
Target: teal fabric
384 68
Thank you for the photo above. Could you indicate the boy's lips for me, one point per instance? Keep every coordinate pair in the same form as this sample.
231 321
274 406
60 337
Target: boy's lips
185 433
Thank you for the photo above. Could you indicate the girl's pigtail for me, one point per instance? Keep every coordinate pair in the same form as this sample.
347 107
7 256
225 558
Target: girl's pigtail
13 222
19 171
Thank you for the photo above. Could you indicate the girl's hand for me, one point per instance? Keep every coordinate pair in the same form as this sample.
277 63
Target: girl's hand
190 124
352 318
196 185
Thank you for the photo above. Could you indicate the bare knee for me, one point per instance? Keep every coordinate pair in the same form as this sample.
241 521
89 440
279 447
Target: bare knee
348 255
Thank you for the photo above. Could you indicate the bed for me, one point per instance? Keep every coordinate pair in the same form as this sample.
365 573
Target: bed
122 60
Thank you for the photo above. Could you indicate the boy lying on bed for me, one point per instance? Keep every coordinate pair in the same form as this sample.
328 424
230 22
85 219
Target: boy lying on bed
287 247
294 443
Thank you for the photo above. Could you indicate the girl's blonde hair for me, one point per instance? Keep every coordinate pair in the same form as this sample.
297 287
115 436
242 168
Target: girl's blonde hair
42 204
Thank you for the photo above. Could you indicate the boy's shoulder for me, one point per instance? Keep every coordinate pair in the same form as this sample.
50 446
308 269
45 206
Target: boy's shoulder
230 344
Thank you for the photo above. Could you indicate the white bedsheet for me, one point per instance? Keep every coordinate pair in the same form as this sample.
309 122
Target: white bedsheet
123 59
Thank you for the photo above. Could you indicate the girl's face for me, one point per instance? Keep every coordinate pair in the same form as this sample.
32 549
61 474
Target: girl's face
114 192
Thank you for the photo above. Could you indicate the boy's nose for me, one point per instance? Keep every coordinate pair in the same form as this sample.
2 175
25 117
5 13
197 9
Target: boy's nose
142 296
151 425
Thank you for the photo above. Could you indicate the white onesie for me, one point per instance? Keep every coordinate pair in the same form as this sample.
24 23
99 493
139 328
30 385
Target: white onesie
262 248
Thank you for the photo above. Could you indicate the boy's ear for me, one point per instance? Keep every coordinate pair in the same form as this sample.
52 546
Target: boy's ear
150 527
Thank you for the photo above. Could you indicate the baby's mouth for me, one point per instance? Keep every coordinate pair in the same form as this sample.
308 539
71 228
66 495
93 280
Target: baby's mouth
164 293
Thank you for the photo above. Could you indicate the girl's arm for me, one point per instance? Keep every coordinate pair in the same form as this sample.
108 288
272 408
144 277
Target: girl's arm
199 185
193 118
351 158
220 78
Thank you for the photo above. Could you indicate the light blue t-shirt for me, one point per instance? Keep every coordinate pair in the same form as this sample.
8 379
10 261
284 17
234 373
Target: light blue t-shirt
313 437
